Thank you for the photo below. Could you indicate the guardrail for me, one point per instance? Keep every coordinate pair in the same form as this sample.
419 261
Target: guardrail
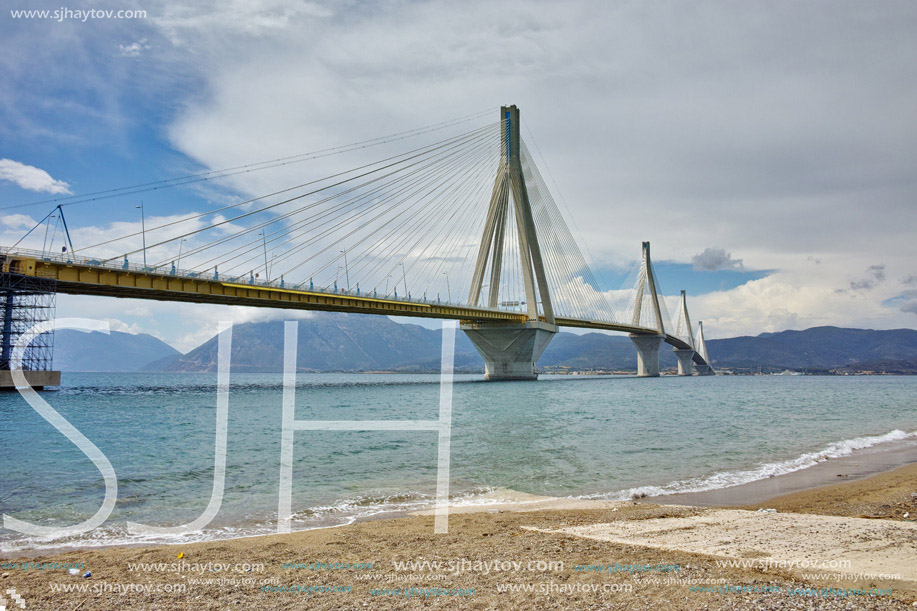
173 272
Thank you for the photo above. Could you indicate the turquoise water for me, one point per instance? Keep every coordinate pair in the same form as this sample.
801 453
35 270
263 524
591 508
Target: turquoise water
561 436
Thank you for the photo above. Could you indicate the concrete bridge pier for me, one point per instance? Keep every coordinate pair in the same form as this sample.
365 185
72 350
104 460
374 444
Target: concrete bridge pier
685 361
704 370
510 351
647 354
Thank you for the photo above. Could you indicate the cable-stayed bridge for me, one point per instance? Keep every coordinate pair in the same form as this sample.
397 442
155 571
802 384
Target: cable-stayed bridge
463 228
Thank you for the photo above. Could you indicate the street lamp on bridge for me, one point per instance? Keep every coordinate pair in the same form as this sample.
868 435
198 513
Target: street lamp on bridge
264 241
346 270
142 230
178 264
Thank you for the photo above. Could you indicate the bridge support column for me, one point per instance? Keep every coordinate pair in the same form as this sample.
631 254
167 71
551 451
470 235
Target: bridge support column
510 351
26 301
685 361
647 354
704 370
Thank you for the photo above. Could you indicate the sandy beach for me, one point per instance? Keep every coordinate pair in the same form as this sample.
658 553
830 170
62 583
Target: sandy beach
851 545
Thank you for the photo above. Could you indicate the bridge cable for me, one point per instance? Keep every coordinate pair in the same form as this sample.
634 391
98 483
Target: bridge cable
269 207
418 224
457 166
570 215
286 190
345 221
307 220
250 167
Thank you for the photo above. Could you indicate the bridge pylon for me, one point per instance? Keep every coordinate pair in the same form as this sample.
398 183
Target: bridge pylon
701 346
510 351
647 345
685 331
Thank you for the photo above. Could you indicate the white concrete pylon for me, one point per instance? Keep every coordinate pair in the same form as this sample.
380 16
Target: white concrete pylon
701 346
647 354
685 361
647 345
684 331
510 351
686 318
647 281
511 181
699 343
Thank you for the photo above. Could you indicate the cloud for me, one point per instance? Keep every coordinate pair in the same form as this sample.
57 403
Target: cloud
31 178
877 272
777 303
665 100
716 259
875 275
652 119
905 302
17 221
185 25
135 49
115 324
910 280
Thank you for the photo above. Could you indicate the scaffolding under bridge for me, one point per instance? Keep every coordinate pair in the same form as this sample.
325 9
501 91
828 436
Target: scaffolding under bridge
26 301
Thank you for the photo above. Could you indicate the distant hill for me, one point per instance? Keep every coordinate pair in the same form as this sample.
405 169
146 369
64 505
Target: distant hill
329 342
596 351
819 348
353 342
96 351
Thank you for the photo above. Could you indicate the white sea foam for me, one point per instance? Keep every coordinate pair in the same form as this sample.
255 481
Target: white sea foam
350 510
341 513
725 479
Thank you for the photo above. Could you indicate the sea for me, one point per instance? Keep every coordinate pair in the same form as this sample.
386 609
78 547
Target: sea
591 437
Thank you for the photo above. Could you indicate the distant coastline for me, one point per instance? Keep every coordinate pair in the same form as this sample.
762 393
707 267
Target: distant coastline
354 343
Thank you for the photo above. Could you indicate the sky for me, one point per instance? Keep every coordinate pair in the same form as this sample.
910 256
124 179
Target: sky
768 151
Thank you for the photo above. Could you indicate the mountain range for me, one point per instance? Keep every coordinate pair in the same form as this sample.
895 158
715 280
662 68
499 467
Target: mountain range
328 342
115 351
342 342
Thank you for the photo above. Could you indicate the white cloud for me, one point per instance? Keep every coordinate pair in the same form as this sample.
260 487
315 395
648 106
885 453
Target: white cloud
134 49
185 24
115 324
785 135
17 221
31 178
654 122
783 301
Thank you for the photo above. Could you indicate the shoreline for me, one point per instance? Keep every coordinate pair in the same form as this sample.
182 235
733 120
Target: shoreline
494 555
860 464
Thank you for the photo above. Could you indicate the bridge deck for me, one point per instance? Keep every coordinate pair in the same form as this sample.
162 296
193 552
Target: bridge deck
80 276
